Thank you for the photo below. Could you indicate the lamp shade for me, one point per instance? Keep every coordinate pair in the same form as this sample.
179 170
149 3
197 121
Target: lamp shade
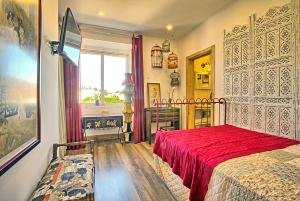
128 79
172 61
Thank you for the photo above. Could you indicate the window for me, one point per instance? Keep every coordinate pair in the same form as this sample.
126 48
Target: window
90 67
102 77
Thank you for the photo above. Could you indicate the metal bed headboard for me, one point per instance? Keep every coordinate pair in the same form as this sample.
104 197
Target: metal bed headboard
218 105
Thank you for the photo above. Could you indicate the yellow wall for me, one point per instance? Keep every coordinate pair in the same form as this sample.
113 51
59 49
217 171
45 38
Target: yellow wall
199 61
201 93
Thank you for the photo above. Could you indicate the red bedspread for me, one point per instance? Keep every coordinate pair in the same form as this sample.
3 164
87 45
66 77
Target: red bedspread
192 154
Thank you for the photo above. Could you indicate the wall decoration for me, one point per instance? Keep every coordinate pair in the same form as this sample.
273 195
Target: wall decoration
166 46
173 64
19 79
153 90
202 81
175 79
172 61
204 68
102 122
260 72
205 79
156 56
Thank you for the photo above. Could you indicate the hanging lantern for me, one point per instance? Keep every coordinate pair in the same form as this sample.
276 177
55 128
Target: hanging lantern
175 79
156 56
172 61
166 46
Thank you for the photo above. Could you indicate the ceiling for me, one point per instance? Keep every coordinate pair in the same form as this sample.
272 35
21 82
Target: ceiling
145 16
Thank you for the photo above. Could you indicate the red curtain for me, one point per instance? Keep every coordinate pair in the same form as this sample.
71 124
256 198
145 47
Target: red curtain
73 109
138 78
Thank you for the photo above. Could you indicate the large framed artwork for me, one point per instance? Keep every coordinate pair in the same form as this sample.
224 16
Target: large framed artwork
153 93
20 35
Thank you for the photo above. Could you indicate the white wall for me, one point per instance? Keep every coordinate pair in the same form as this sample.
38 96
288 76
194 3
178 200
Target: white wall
211 32
157 75
20 180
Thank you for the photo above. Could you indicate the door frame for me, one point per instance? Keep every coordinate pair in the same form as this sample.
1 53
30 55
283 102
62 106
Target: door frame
190 75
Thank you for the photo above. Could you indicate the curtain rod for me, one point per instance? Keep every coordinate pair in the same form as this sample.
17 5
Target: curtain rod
105 52
108 30
105 30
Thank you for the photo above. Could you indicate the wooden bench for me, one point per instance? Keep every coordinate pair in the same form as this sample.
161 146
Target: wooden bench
71 177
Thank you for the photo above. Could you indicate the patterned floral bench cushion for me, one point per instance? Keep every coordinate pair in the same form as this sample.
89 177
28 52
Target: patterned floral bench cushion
67 178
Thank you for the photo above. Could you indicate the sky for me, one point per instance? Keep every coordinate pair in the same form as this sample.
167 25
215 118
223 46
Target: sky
114 71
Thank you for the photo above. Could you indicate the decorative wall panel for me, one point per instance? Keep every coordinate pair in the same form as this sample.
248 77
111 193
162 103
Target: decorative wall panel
259 118
260 68
237 75
272 120
296 8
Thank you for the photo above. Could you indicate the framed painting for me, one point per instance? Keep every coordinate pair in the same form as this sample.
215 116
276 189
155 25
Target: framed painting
153 93
202 81
20 36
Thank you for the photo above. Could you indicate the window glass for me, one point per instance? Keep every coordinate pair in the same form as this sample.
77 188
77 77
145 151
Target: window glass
114 68
114 75
90 67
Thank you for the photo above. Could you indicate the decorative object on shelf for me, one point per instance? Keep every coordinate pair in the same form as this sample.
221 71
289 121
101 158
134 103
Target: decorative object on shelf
156 57
127 111
20 40
97 99
166 46
171 95
172 61
153 93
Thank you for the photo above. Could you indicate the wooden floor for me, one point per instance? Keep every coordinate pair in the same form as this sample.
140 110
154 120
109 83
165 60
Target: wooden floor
125 173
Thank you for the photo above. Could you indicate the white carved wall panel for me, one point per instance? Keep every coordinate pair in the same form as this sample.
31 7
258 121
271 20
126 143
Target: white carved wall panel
237 76
296 6
261 70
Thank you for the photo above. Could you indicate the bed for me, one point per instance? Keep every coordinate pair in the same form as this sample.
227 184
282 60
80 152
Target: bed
227 163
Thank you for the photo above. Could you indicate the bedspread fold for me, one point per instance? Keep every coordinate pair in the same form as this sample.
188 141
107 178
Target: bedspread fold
193 154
